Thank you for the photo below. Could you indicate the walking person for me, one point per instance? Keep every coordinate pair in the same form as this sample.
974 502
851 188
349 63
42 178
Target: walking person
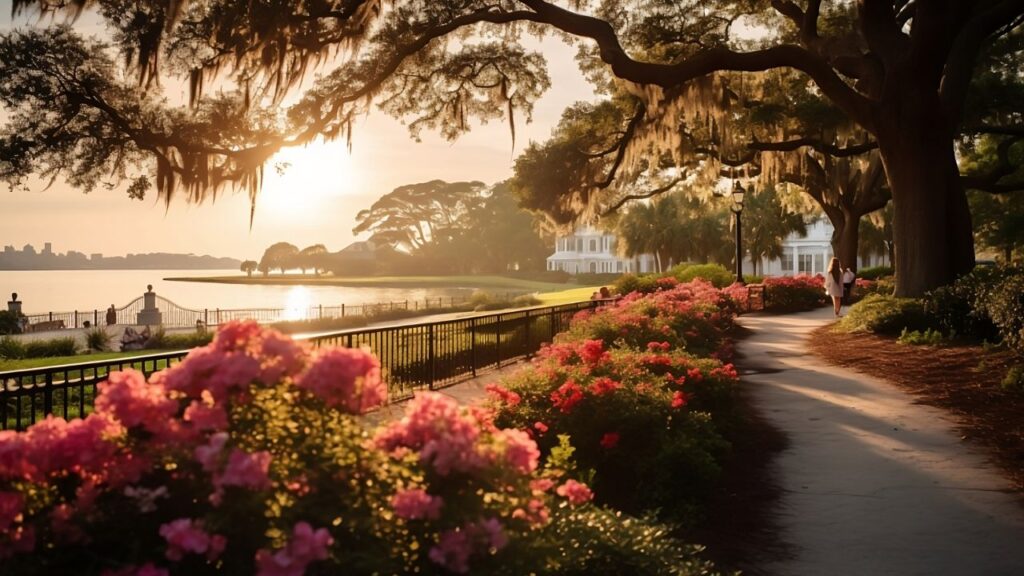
834 284
848 280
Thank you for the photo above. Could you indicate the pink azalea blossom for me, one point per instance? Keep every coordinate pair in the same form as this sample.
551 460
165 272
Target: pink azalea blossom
506 396
575 492
306 546
247 470
445 437
205 417
679 399
184 536
540 427
208 455
521 451
11 506
345 378
416 504
145 570
127 397
567 396
455 547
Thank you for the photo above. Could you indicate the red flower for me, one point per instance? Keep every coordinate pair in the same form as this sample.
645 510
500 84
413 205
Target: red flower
610 440
604 385
679 399
568 395
540 427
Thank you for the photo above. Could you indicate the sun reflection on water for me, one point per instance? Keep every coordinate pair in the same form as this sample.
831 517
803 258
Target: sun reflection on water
297 304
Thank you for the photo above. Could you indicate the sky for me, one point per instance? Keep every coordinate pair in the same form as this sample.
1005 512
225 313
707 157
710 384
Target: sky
315 201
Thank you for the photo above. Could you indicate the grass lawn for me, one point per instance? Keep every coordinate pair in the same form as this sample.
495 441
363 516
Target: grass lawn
567 296
26 363
493 283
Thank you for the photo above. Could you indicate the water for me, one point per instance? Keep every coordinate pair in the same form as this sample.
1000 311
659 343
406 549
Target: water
66 290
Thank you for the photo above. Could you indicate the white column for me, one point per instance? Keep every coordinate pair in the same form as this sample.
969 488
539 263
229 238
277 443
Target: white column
796 259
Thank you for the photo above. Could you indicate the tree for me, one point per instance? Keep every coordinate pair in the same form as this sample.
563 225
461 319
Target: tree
281 255
905 72
312 257
767 223
249 266
998 224
415 215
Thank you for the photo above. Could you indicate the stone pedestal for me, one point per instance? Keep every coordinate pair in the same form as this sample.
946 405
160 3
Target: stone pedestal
14 307
150 314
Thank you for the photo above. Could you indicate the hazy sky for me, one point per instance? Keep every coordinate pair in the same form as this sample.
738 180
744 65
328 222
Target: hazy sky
315 201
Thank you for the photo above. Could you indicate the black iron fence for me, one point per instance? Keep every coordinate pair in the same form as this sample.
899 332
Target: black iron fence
413 357
176 316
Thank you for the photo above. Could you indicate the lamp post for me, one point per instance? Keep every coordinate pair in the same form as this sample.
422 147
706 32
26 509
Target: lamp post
737 209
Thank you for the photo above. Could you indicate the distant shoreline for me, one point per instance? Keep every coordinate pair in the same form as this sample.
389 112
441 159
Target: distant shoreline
491 282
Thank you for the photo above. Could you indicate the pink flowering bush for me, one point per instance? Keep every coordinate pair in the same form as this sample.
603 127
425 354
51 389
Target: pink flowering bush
794 293
650 424
249 457
694 316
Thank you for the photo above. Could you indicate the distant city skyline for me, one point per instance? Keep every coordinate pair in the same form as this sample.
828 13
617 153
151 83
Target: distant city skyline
28 258
309 204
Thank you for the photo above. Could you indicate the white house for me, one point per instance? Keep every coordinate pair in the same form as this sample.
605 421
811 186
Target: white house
588 250
808 254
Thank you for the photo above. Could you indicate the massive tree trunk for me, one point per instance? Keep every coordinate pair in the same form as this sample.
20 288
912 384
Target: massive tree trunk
846 240
932 222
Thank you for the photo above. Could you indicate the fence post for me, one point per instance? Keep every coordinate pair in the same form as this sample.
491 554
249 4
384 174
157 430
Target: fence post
95 317
342 309
47 395
51 316
529 349
76 319
206 316
321 311
406 304
217 311
497 344
430 353
472 344
551 311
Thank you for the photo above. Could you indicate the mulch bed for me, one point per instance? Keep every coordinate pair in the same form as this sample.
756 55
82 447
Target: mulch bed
963 379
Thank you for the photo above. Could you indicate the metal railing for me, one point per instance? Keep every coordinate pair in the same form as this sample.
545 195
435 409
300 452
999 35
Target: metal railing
176 316
412 356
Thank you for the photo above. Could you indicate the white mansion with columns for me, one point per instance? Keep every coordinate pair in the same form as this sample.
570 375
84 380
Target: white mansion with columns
592 251
588 250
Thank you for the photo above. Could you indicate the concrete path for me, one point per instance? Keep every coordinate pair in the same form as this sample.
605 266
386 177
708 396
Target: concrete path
873 484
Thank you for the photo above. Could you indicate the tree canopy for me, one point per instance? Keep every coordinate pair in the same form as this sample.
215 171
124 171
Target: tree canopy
909 78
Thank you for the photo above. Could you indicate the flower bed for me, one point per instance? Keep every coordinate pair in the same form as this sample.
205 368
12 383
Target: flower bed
247 458
794 293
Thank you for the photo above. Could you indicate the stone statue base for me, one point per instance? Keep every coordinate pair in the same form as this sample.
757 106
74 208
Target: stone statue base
149 318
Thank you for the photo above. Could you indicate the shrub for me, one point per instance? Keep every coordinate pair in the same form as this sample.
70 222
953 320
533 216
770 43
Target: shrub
161 340
595 279
794 293
1014 379
50 348
644 284
247 457
714 273
886 315
962 306
874 273
648 423
1005 305
928 337
11 348
10 323
97 339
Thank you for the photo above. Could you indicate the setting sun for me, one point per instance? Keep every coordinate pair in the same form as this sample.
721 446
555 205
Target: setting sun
298 180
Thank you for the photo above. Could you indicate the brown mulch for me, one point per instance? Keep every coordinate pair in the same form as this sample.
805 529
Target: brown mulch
963 379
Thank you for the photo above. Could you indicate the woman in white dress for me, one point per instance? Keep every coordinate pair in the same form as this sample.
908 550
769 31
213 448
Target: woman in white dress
834 284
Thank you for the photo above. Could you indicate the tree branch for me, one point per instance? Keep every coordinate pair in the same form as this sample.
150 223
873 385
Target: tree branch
816 144
649 194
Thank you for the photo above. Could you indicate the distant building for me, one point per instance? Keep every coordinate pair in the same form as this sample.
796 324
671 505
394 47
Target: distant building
97 256
809 253
28 249
9 249
48 249
591 251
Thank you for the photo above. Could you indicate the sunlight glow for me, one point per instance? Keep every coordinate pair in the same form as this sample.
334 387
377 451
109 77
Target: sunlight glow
297 304
300 181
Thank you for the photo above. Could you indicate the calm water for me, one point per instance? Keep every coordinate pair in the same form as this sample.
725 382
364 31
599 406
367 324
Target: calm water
66 290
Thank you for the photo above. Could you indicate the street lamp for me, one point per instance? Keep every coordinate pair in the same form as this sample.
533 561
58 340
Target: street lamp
737 209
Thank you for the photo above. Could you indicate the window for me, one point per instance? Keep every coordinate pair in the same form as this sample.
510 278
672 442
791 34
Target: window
593 245
806 263
787 261
618 266
819 262
579 244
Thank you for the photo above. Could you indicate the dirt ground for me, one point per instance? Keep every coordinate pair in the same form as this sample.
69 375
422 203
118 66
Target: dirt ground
964 379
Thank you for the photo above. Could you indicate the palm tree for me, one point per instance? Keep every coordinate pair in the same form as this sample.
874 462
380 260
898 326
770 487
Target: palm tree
768 223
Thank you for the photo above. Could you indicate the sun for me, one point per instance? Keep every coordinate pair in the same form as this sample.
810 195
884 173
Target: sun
300 180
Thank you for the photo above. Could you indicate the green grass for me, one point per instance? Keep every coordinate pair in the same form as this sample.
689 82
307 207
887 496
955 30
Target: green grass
26 363
567 296
494 283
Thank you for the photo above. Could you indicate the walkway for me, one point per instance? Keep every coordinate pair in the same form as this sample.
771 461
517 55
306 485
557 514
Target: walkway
873 484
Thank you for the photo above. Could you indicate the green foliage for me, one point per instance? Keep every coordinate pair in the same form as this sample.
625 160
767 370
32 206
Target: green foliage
927 337
875 272
628 283
1014 379
51 347
766 223
97 339
11 348
281 255
10 323
1005 305
886 315
161 340
962 307
717 274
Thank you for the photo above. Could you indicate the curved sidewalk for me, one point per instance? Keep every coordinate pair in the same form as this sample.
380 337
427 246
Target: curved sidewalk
872 483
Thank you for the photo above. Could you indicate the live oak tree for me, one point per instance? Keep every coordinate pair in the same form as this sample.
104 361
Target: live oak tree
249 266
282 255
900 70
